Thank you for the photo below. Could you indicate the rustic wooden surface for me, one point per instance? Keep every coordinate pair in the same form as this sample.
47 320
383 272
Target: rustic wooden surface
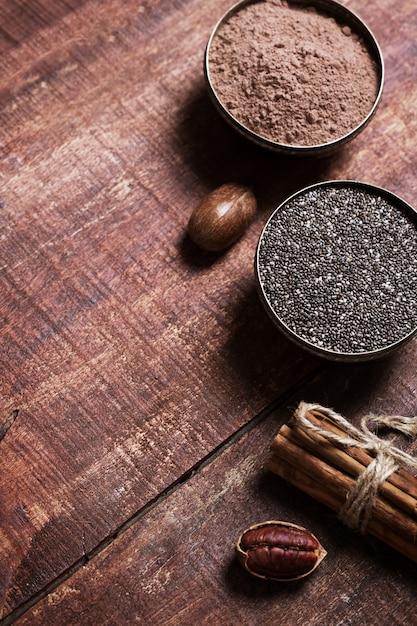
135 369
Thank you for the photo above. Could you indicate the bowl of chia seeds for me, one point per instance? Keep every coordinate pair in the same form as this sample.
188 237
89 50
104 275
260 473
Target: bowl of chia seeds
336 269
296 77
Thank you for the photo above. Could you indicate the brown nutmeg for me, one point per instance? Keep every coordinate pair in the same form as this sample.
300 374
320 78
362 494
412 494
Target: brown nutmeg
222 217
279 551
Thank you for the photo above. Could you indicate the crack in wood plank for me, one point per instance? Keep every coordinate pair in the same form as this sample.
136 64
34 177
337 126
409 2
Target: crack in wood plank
157 501
8 423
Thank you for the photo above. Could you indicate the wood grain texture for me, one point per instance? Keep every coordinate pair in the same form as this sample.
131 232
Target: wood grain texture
176 566
21 20
128 355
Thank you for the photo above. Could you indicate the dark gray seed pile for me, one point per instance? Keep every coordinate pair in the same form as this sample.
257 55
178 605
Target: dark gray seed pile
338 266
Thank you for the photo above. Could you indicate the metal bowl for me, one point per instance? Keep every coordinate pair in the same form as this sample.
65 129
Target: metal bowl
332 9
346 282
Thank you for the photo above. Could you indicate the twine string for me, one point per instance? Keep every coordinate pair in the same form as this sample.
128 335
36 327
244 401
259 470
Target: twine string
357 508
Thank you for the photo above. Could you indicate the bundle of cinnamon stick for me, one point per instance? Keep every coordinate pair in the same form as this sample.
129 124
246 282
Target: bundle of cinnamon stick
328 471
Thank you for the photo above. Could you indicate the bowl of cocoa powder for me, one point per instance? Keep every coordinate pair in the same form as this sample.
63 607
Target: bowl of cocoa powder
296 77
336 269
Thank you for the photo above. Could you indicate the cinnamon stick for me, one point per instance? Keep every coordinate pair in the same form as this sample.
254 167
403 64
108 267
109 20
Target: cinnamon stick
313 488
402 479
327 472
343 460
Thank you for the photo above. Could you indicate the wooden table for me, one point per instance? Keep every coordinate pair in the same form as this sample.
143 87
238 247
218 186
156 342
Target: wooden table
141 381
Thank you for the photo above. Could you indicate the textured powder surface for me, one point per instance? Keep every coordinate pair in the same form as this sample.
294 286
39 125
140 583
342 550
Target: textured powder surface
291 74
338 266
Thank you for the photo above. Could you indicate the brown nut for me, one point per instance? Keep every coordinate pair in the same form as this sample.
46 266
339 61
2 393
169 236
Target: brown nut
279 551
222 217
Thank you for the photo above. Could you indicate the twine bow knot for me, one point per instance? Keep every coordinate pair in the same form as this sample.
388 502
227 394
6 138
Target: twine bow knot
388 459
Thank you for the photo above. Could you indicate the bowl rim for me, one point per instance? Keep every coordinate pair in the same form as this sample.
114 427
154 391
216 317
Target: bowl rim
334 9
333 355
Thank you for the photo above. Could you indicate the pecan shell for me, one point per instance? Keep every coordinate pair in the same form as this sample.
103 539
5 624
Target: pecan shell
279 551
222 217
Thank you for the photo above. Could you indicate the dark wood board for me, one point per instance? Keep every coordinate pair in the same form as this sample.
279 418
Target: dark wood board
176 565
127 355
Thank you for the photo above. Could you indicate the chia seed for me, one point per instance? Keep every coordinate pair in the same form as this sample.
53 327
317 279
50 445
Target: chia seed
337 267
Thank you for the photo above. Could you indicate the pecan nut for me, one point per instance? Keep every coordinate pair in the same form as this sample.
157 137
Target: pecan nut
279 551
222 217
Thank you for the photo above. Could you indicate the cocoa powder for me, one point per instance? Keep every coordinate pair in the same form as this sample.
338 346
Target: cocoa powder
292 74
